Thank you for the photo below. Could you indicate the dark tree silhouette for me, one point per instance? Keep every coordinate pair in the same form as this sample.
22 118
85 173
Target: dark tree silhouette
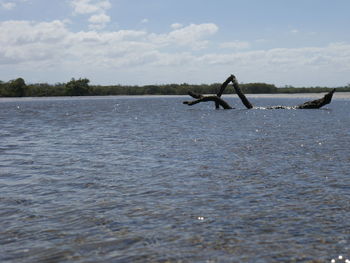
78 87
17 87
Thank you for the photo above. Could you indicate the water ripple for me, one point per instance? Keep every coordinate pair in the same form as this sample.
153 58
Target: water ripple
120 179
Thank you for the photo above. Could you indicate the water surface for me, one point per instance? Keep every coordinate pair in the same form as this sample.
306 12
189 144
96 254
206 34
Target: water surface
147 179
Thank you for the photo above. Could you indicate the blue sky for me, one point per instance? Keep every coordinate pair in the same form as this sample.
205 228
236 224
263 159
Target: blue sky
284 42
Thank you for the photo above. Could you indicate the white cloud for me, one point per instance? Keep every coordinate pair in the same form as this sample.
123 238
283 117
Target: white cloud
144 21
31 44
39 47
191 36
296 66
96 8
235 45
99 21
176 25
90 6
8 5
19 33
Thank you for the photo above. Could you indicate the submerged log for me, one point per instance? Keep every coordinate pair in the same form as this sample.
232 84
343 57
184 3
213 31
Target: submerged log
222 89
240 94
314 104
200 98
218 101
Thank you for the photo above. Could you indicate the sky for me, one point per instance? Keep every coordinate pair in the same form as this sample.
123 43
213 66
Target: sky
141 42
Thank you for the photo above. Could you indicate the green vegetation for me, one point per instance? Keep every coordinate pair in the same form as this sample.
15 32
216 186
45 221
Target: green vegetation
13 88
78 87
81 87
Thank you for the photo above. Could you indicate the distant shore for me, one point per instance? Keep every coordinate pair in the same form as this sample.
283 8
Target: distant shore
81 87
337 95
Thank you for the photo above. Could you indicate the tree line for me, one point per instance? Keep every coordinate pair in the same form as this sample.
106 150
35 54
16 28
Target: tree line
81 87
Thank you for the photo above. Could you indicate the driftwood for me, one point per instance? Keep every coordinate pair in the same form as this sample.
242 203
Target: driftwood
218 101
200 98
314 104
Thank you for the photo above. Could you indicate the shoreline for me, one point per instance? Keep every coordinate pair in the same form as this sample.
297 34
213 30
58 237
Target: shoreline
337 95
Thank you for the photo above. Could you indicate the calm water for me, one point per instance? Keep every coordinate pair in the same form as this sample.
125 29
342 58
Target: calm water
147 179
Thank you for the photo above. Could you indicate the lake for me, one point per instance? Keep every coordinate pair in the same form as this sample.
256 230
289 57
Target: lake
148 179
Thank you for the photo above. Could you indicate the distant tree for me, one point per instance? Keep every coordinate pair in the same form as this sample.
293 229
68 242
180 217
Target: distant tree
16 88
151 89
2 89
78 87
258 88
